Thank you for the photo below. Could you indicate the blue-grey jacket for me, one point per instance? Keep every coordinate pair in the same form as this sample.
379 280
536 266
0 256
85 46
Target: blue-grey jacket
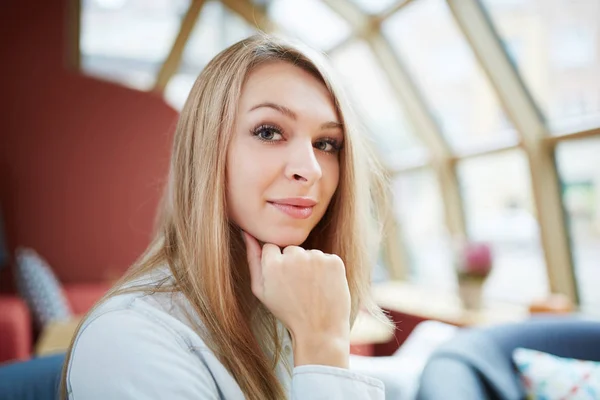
142 346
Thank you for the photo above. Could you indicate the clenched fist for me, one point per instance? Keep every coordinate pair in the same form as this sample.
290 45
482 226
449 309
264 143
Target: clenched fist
308 292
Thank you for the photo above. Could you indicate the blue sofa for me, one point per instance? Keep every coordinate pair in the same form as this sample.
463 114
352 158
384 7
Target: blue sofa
36 379
477 363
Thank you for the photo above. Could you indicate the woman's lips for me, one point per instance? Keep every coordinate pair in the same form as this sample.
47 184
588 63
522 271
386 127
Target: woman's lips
298 212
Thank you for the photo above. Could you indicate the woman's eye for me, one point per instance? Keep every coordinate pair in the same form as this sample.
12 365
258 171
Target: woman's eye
328 146
268 133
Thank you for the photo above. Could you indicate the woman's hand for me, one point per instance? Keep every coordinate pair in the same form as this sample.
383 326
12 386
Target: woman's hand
308 292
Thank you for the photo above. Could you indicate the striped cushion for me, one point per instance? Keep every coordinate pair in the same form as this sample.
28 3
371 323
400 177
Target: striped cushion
548 377
38 285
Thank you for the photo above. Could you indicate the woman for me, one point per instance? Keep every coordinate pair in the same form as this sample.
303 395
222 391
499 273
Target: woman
263 252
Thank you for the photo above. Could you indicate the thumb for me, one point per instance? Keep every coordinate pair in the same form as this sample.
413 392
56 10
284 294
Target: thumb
254 256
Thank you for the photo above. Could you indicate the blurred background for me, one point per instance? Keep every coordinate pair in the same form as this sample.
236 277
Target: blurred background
486 114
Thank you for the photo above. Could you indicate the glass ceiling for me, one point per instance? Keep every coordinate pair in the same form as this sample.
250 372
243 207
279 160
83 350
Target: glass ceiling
554 46
376 103
126 41
325 30
216 29
449 77
374 6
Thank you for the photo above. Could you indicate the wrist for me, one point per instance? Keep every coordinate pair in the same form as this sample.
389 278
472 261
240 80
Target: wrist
329 350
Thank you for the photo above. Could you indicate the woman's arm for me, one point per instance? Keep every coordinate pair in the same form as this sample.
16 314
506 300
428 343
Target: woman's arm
322 372
124 355
330 383
308 292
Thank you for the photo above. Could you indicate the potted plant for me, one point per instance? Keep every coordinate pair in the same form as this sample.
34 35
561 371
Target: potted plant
473 265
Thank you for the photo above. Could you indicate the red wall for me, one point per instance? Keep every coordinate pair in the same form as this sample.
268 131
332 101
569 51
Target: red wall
82 162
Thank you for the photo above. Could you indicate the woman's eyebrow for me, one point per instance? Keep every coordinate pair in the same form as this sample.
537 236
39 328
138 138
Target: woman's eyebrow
291 114
332 125
282 109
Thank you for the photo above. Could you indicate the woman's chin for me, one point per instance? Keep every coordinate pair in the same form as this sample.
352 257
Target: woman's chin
283 239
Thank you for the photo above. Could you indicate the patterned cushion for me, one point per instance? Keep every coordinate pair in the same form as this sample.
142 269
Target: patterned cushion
548 377
38 285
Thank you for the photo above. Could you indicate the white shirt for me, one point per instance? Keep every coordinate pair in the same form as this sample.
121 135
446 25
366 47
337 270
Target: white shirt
142 346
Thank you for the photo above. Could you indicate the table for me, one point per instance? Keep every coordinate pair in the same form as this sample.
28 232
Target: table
446 307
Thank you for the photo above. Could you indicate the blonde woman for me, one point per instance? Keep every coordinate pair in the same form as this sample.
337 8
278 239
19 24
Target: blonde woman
263 250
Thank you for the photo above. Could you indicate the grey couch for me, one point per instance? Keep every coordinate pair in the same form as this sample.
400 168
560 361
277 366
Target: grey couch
477 363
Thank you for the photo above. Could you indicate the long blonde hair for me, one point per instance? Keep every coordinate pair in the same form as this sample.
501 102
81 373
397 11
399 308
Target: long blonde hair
193 228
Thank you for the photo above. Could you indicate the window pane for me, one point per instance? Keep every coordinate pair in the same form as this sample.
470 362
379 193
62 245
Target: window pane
236 28
375 102
217 28
127 41
580 175
375 6
206 39
461 98
418 208
555 45
499 210
325 29
178 89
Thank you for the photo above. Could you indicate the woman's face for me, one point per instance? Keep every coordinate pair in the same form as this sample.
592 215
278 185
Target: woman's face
283 160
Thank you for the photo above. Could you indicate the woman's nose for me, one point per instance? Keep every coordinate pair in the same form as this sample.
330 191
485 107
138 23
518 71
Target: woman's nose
302 165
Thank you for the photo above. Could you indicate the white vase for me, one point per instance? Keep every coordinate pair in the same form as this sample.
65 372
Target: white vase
470 292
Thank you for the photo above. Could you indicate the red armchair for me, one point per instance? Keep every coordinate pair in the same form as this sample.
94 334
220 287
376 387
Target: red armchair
16 330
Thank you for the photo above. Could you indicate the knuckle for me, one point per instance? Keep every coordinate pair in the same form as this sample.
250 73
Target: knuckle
291 250
335 258
336 263
294 255
304 256
316 253
268 246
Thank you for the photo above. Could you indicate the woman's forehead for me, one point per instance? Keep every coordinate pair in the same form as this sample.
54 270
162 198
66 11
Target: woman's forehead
289 86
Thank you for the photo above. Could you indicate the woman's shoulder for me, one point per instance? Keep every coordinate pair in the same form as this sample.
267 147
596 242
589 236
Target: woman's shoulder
135 310
142 340
128 350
